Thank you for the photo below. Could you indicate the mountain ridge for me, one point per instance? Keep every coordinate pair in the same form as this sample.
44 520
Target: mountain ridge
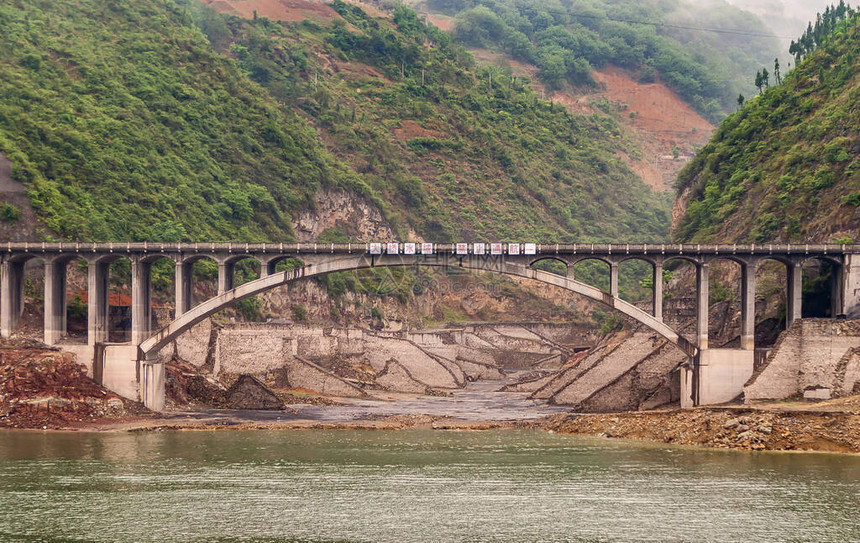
786 166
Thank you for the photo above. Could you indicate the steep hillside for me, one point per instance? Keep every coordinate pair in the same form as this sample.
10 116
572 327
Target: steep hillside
664 130
125 122
787 165
457 150
706 63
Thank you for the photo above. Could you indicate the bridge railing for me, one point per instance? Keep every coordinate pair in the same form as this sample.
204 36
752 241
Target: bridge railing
420 248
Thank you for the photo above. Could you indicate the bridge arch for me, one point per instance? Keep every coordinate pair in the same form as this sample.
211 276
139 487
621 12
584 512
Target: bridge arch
148 349
270 265
550 259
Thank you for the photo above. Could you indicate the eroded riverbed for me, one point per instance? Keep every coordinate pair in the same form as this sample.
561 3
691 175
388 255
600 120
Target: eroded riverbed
478 401
412 485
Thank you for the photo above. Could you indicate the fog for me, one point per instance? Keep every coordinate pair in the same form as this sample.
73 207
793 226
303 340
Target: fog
786 18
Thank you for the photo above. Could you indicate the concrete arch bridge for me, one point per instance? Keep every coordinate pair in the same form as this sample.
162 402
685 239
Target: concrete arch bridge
713 376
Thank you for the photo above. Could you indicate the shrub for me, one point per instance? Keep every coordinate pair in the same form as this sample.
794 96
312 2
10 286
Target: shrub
9 213
249 308
299 312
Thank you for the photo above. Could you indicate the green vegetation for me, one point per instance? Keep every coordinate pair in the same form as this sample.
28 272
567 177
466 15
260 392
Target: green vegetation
299 312
786 166
126 125
453 150
8 212
565 40
162 120
822 31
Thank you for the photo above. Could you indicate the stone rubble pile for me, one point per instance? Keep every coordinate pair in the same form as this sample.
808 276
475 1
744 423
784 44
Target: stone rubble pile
42 387
724 428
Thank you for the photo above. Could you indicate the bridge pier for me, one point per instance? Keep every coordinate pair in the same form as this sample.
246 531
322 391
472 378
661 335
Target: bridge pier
613 279
748 307
850 286
152 381
657 292
225 276
97 294
794 295
11 295
55 300
702 306
141 300
182 285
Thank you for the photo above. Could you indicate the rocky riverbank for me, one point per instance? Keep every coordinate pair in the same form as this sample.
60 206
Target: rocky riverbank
41 387
778 428
725 428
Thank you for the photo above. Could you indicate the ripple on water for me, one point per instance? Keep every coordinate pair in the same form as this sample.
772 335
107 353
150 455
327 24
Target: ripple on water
413 485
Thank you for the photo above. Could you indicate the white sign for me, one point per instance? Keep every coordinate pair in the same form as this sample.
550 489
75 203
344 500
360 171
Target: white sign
409 248
513 248
376 248
529 249
426 248
393 248
479 248
462 248
495 248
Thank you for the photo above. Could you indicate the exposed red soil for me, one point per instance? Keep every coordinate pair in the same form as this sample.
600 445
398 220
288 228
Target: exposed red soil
114 298
658 110
411 129
667 130
500 59
355 71
41 387
279 10
371 8
442 22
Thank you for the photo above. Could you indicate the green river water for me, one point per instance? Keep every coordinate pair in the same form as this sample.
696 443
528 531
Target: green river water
412 485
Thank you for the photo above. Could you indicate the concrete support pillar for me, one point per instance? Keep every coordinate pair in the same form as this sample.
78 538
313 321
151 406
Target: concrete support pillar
152 382
850 275
225 276
182 283
264 269
794 295
702 306
97 302
836 294
55 301
11 295
657 292
141 300
688 387
613 279
748 306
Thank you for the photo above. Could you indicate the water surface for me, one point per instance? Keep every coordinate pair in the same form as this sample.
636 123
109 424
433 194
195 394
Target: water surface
413 485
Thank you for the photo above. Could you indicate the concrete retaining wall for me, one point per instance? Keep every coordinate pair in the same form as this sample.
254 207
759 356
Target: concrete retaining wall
813 354
722 374
120 372
315 358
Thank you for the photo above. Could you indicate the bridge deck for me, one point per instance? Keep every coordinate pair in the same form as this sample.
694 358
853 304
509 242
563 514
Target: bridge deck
430 248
